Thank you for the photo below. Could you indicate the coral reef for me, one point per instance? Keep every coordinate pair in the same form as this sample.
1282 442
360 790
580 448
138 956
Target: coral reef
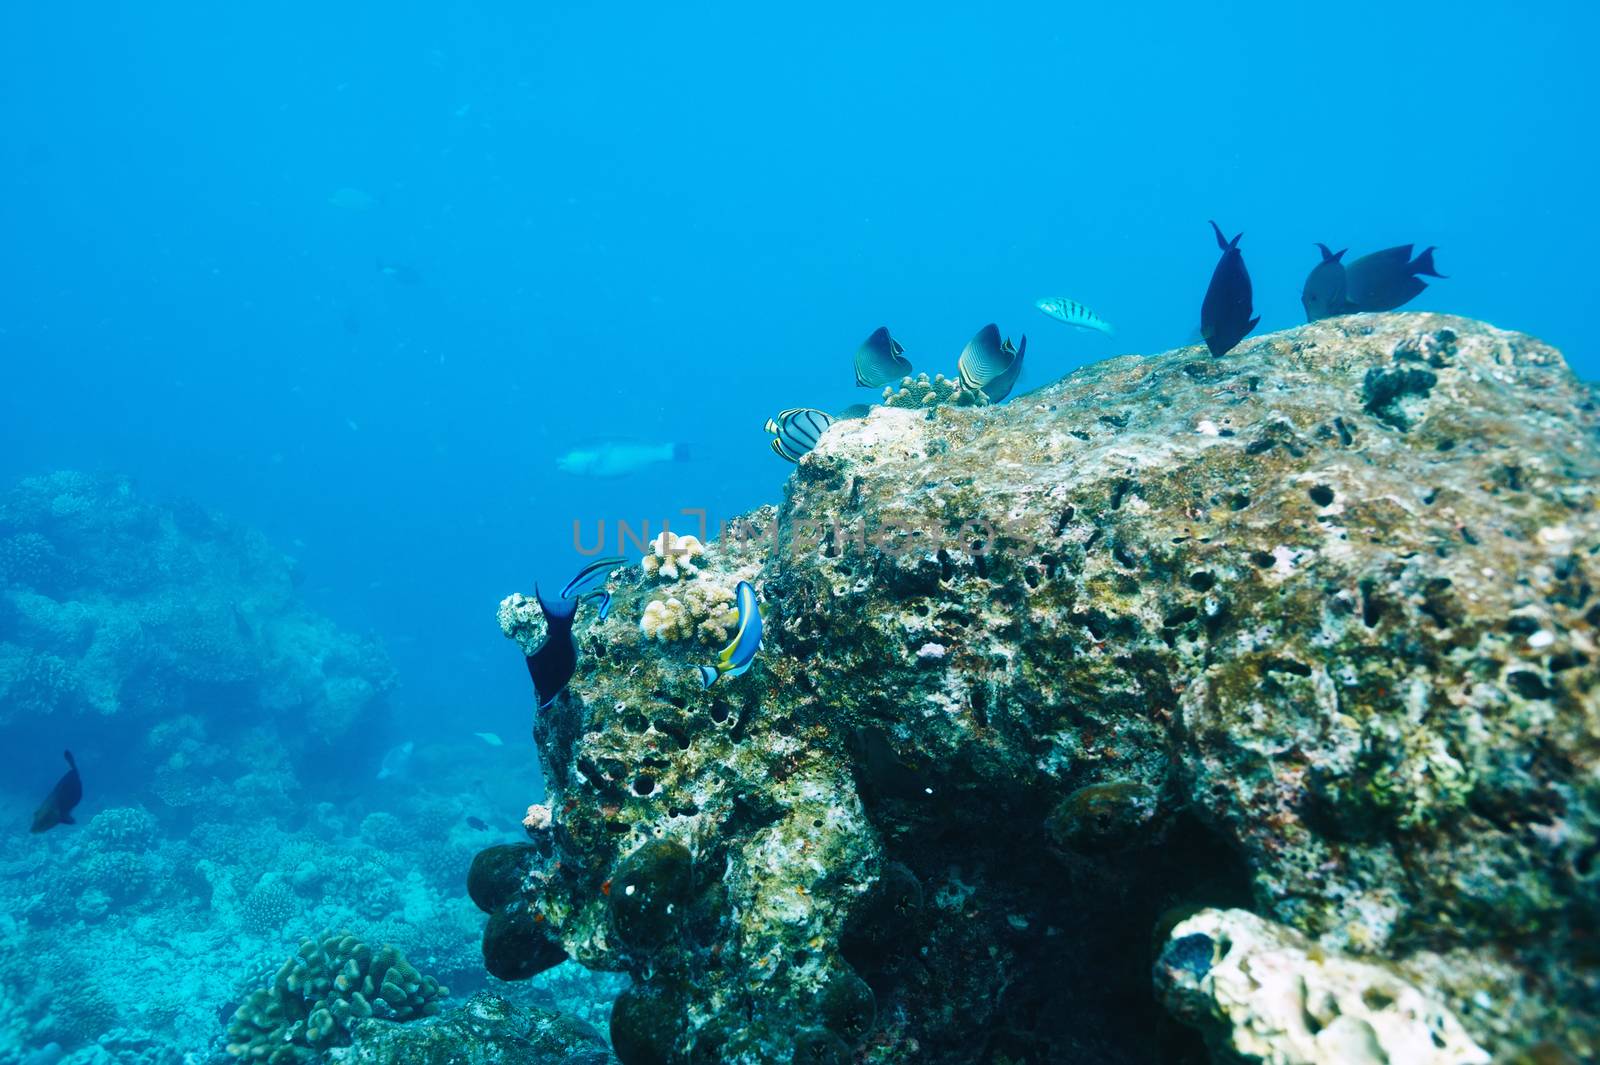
1266 993
1309 630
312 1001
118 613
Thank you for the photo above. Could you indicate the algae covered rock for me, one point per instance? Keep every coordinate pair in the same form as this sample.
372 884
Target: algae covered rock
487 1030
1308 630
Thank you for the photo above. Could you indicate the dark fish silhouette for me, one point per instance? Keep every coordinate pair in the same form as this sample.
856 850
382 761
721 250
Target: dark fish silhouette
57 806
476 823
553 664
1387 279
1225 313
1324 294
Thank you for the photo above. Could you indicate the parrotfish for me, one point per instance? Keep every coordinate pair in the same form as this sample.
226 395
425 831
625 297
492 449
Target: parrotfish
618 458
880 359
796 431
1324 293
396 760
58 805
556 660
735 658
1225 312
1387 279
586 586
1074 314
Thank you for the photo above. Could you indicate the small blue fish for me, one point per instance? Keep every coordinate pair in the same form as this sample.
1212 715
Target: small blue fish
556 660
586 586
735 658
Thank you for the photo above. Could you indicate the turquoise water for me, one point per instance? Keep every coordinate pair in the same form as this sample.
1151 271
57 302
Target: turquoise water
316 296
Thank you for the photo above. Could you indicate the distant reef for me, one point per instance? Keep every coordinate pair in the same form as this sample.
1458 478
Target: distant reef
1187 709
118 614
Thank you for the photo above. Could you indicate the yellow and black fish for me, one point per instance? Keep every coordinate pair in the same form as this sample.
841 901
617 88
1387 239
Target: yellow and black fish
796 431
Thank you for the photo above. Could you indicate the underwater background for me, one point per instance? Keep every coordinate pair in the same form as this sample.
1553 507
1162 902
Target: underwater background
301 305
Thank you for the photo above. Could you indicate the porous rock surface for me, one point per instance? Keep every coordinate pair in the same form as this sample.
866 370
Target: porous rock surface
1307 630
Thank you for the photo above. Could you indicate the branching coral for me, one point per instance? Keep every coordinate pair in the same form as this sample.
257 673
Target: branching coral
921 392
310 1002
672 556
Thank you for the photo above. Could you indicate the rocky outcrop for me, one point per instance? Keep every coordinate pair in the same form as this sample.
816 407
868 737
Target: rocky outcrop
1308 630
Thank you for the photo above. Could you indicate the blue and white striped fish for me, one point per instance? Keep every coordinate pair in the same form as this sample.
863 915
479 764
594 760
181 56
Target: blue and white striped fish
587 585
796 431
735 658
1074 314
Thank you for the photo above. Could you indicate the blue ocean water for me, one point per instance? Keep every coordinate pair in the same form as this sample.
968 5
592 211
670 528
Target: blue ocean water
355 275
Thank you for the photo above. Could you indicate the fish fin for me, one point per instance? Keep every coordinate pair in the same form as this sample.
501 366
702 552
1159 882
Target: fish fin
1203 333
68 756
779 450
1218 231
66 819
1331 256
1251 325
1423 264
558 609
708 675
680 452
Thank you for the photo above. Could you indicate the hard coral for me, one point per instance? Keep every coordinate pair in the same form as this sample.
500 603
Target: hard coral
702 609
672 557
308 1007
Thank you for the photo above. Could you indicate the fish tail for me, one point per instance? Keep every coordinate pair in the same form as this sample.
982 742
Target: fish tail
1223 244
708 675
1423 264
556 610
68 756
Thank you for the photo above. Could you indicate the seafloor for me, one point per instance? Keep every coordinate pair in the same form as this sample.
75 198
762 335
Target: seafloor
1184 710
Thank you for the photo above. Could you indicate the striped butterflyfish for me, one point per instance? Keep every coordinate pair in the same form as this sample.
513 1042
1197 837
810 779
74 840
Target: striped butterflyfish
1074 314
880 359
735 658
796 431
588 585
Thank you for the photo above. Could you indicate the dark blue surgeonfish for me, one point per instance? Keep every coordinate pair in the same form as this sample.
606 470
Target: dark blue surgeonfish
57 806
553 664
1387 279
1324 293
1225 313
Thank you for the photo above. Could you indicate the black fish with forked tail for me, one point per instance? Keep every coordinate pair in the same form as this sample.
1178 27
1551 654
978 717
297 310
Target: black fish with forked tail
1387 280
1225 313
556 660
57 806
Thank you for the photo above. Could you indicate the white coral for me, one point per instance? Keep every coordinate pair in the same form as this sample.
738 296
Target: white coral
1277 997
672 556
701 608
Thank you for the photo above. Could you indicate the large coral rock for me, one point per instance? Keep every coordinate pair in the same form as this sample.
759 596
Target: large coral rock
1309 629
487 1030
